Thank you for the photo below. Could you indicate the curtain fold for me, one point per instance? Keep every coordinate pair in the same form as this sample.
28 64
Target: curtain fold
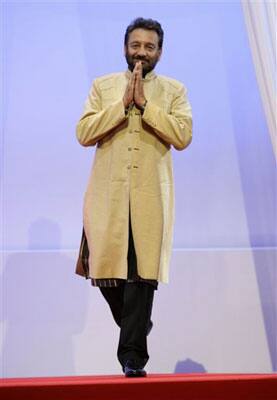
260 19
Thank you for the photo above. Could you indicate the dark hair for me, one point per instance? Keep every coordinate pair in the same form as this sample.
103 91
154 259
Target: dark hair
148 24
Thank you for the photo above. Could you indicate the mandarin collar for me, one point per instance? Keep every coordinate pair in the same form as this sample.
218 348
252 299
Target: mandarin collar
148 77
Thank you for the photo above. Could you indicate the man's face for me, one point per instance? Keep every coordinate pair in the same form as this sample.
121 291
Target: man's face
143 45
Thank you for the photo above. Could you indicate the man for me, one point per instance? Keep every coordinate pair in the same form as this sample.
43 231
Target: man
134 118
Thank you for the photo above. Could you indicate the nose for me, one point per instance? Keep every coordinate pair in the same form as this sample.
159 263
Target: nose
141 51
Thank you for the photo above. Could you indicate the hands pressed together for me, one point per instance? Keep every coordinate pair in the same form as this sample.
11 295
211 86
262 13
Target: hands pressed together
134 91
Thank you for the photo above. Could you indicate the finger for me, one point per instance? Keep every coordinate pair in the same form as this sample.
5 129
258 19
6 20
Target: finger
140 64
131 83
137 65
138 68
139 77
137 80
138 87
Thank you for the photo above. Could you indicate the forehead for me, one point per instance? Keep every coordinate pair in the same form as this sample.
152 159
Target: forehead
143 35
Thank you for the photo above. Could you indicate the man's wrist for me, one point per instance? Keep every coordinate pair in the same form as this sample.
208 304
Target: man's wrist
128 108
142 107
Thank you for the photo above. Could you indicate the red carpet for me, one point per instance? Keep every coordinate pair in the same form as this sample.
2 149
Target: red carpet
156 387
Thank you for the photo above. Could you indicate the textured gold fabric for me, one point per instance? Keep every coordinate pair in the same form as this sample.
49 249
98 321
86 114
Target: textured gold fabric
132 168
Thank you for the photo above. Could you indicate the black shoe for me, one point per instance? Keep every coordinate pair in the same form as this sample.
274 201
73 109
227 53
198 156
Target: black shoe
131 370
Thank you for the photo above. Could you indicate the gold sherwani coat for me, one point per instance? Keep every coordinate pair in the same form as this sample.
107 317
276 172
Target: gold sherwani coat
132 172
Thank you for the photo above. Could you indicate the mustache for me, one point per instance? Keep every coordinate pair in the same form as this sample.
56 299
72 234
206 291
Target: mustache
140 58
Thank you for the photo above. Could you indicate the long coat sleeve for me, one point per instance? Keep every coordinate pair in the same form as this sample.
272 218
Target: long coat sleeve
97 121
132 172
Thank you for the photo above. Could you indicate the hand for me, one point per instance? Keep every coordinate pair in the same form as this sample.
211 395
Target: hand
128 97
139 98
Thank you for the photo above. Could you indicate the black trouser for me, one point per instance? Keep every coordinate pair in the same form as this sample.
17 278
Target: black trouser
131 306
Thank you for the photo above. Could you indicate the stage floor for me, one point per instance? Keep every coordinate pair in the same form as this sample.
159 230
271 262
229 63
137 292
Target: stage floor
160 387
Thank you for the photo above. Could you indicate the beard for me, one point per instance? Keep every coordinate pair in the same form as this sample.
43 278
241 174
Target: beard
147 66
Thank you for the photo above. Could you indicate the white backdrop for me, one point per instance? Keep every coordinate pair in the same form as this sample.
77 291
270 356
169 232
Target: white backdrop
218 314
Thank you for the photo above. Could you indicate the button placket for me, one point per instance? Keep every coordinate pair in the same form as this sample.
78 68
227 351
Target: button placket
129 147
133 164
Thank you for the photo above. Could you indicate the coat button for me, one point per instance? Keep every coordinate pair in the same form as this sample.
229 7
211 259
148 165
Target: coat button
129 167
129 148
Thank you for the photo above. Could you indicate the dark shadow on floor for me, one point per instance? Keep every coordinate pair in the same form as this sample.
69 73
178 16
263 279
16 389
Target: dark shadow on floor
188 366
